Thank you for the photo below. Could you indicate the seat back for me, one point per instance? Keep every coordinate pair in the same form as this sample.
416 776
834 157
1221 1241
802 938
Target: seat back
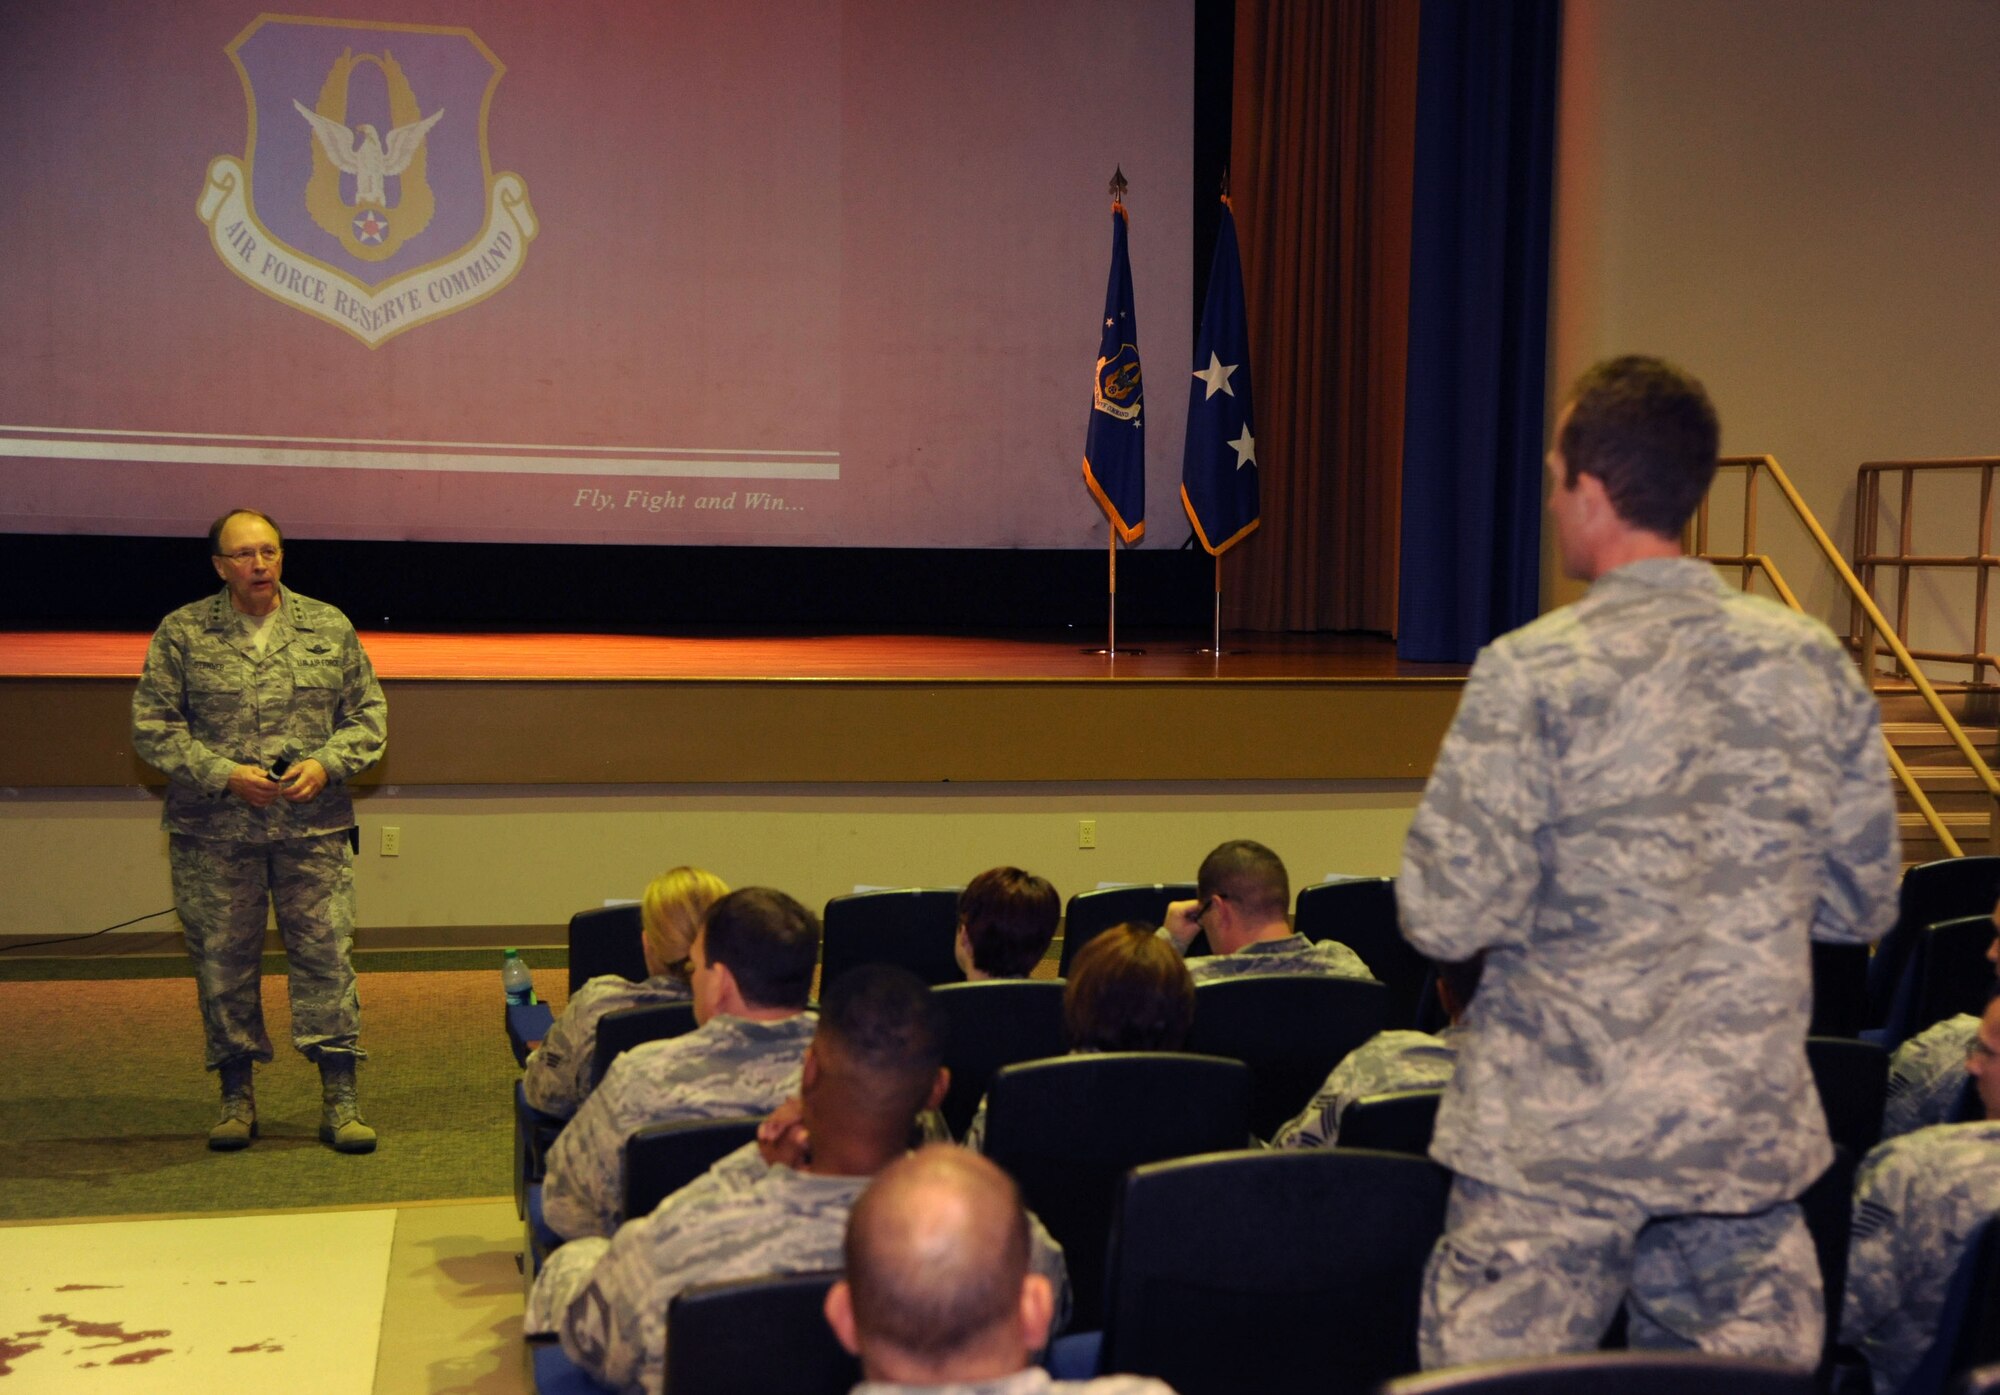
993 1024
1946 973
1627 1372
1932 891
1853 1081
660 1159
1272 1270
605 941
1828 1208
1840 989
1290 1029
1068 1131
534 1134
620 1031
1090 913
1979 1324
1361 914
914 928
756 1336
1968 1331
1399 1121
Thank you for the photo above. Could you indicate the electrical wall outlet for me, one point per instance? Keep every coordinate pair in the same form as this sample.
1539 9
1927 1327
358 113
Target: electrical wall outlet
392 842
1086 833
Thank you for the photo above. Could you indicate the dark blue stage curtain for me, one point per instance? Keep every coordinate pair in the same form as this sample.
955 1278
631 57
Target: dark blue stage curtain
1479 274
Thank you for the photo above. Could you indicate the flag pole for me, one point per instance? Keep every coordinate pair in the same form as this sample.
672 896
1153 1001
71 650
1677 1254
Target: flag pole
1218 605
1217 641
1111 638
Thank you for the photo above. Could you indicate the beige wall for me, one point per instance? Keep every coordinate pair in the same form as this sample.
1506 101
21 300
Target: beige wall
74 861
1798 199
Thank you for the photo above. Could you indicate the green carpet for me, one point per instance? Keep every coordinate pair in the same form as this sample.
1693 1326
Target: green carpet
174 963
105 1106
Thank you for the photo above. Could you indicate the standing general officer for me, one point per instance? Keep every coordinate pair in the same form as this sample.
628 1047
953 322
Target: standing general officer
258 705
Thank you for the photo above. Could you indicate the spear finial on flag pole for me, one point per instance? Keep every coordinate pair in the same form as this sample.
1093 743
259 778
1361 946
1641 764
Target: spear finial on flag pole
1114 448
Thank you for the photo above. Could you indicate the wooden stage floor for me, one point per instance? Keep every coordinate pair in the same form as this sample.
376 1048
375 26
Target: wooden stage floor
597 709
396 655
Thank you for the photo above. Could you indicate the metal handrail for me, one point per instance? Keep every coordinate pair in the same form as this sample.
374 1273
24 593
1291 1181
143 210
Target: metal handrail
1867 557
1751 561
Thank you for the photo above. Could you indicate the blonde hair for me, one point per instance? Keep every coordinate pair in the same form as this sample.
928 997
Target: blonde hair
672 908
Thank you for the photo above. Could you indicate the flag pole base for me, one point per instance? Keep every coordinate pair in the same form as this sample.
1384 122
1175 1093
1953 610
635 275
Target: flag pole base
1117 653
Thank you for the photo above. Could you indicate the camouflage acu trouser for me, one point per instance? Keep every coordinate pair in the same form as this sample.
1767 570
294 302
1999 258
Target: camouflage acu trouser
222 890
1517 1275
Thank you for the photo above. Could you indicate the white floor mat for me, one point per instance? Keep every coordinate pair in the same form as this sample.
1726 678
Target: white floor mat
250 1303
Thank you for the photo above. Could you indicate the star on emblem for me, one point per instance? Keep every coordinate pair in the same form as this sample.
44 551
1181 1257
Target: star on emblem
1216 375
370 227
1245 447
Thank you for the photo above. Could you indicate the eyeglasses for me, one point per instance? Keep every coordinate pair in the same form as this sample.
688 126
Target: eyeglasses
243 557
1208 903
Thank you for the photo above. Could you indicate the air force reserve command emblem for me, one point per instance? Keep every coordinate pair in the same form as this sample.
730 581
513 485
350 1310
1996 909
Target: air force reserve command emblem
365 195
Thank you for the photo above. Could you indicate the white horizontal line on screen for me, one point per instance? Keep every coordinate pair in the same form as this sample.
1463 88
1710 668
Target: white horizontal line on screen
225 438
791 465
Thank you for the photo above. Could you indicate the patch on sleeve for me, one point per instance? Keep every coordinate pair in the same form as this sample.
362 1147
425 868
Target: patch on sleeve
589 1327
1871 1217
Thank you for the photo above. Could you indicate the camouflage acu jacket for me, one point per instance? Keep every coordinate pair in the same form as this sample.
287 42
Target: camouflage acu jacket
207 701
742 1219
1386 1061
727 1067
1928 1082
1294 954
1645 803
1917 1201
558 1073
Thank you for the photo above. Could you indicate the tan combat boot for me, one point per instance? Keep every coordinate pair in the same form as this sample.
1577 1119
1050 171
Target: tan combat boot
238 1124
340 1126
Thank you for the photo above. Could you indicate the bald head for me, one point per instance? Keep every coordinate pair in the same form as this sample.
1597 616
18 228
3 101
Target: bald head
937 1260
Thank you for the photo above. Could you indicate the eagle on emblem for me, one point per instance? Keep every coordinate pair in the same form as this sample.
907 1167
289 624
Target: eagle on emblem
372 161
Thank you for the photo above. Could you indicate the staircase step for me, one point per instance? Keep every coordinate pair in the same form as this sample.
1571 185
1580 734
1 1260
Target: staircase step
1959 821
1947 779
1934 734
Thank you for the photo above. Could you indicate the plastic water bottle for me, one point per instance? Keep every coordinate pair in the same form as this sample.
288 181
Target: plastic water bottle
514 978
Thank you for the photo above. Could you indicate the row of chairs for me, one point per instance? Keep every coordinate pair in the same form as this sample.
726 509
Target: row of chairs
1207 1286
916 928
1068 1128
1929 967
1250 1270
1289 1031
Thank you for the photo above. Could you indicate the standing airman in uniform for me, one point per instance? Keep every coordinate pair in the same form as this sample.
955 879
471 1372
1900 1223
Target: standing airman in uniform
258 705
1646 804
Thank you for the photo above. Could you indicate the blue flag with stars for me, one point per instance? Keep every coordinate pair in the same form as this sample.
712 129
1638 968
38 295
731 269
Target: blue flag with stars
1114 450
1219 465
